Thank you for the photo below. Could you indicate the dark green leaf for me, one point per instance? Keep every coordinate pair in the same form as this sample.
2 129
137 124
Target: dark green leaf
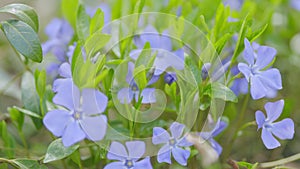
29 164
57 151
23 38
30 99
24 13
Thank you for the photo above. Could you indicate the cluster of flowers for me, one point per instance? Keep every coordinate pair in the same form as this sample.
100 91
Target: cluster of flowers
81 115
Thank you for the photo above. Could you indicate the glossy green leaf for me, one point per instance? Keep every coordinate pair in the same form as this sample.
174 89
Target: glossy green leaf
247 165
7 140
40 82
28 112
24 13
23 38
57 151
220 91
29 164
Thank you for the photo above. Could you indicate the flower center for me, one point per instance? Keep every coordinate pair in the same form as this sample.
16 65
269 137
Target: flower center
129 164
172 142
134 87
268 126
77 114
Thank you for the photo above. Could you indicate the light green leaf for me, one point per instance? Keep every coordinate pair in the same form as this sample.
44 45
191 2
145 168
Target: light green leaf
219 45
24 13
139 6
247 165
28 164
27 112
8 140
95 42
220 91
17 117
23 38
40 82
68 9
140 77
82 23
97 21
256 33
57 151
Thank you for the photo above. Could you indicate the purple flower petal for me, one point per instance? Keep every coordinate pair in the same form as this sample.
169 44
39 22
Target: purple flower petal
150 35
216 146
184 142
117 152
257 89
134 54
153 79
274 110
93 101
220 126
284 129
114 165
136 149
260 118
125 95
160 135
164 154
72 134
271 78
165 41
67 94
129 76
65 70
181 155
164 60
56 121
265 55
176 129
268 139
248 52
245 70
148 95
94 127
143 164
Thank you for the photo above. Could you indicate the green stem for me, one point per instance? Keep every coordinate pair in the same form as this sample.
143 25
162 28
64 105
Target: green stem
280 162
237 127
22 136
3 160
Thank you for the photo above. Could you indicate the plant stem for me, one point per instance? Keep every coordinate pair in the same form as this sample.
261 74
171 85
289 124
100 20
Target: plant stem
22 136
3 160
280 162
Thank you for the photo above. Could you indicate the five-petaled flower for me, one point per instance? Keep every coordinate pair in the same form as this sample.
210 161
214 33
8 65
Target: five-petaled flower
172 143
82 117
262 80
283 129
209 136
128 159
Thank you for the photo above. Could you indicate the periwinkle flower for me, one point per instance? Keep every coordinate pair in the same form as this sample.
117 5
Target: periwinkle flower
161 44
209 136
214 71
262 80
234 4
295 4
125 95
283 129
170 77
60 33
82 117
128 159
172 144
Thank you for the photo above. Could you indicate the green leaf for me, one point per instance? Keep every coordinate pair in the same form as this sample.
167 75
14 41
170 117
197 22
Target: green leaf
144 58
57 151
220 91
68 9
256 33
97 21
139 6
17 117
140 77
30 99
194 69
95 42
247 165
40 82
24 13
23 38
8 141
219 45
29 164
27 112
82 23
